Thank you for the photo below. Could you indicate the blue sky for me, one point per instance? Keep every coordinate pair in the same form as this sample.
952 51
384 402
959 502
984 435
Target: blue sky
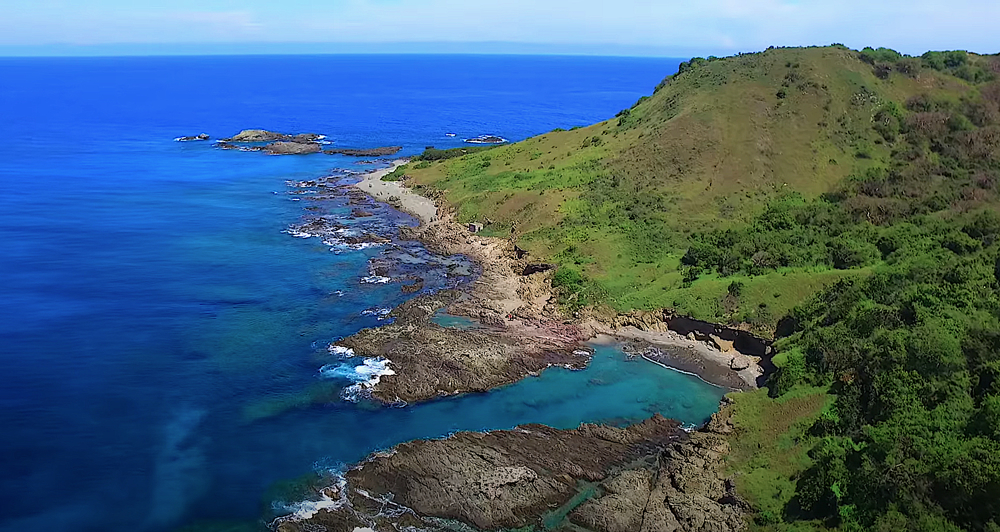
630 27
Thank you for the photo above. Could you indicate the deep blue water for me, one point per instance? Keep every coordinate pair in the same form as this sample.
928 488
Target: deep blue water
160 336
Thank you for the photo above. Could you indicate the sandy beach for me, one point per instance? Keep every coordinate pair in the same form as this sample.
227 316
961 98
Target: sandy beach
406 201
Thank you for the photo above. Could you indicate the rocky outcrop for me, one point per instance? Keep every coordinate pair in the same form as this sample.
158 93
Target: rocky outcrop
430 360
686 491
370 152
647 477
276 148
486 139
191 138
262 135
292 148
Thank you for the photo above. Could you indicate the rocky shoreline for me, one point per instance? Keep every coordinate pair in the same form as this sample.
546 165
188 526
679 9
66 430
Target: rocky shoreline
647 477
513 299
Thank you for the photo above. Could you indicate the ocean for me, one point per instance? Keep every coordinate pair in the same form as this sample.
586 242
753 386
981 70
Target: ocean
163 338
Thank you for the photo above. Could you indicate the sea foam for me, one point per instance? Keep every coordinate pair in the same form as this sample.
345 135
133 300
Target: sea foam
365 376
331 498
345 352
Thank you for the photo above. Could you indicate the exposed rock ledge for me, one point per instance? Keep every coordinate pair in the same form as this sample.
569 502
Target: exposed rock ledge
430 361
649 477
368 152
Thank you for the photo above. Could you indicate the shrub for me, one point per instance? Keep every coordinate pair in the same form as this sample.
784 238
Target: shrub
568 278
880 55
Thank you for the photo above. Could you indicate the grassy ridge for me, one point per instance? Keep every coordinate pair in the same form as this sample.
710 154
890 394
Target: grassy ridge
619 200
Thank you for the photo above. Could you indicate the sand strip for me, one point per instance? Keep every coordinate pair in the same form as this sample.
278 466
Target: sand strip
405 199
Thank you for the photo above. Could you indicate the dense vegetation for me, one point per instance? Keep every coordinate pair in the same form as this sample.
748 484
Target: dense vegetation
845 202
911 352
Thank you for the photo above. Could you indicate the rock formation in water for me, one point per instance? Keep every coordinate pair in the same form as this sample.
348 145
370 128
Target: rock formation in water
369 152
282 147
649 477
262 135
202 136
431 360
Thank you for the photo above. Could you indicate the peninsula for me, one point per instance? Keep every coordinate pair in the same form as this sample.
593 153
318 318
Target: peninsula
838 203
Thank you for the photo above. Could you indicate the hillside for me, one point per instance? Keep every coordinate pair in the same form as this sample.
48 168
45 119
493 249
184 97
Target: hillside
713 147
845 202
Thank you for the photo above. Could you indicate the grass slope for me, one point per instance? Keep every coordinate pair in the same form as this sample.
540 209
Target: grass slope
619 200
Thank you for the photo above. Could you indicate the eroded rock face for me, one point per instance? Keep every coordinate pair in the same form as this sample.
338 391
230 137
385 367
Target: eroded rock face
686 492
651 477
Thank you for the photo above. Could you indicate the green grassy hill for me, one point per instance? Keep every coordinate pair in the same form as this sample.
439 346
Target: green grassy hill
845 202
713 147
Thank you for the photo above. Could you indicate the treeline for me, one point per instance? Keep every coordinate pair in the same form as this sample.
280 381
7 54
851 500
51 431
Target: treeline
958 63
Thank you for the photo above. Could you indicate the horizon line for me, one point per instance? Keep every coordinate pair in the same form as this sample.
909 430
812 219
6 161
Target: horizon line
334 48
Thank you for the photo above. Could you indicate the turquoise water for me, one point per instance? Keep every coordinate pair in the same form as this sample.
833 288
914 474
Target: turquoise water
162 335
453 322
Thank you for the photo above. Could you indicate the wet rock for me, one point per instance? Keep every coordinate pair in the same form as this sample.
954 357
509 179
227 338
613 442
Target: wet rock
361 213
505 479
652 477
202 136
370 152
292 148
366 238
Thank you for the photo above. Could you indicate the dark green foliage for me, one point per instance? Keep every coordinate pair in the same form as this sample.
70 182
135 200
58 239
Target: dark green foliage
567 277
432 154
881 55
735 288
912 351
945 60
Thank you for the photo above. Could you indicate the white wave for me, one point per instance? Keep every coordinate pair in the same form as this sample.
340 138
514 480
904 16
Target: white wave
298 234
331 498
340 351
365 377
380 313
375 279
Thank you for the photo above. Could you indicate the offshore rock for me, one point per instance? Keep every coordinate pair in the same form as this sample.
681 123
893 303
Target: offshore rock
191 138
649 477
370 152
262 135
292 148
